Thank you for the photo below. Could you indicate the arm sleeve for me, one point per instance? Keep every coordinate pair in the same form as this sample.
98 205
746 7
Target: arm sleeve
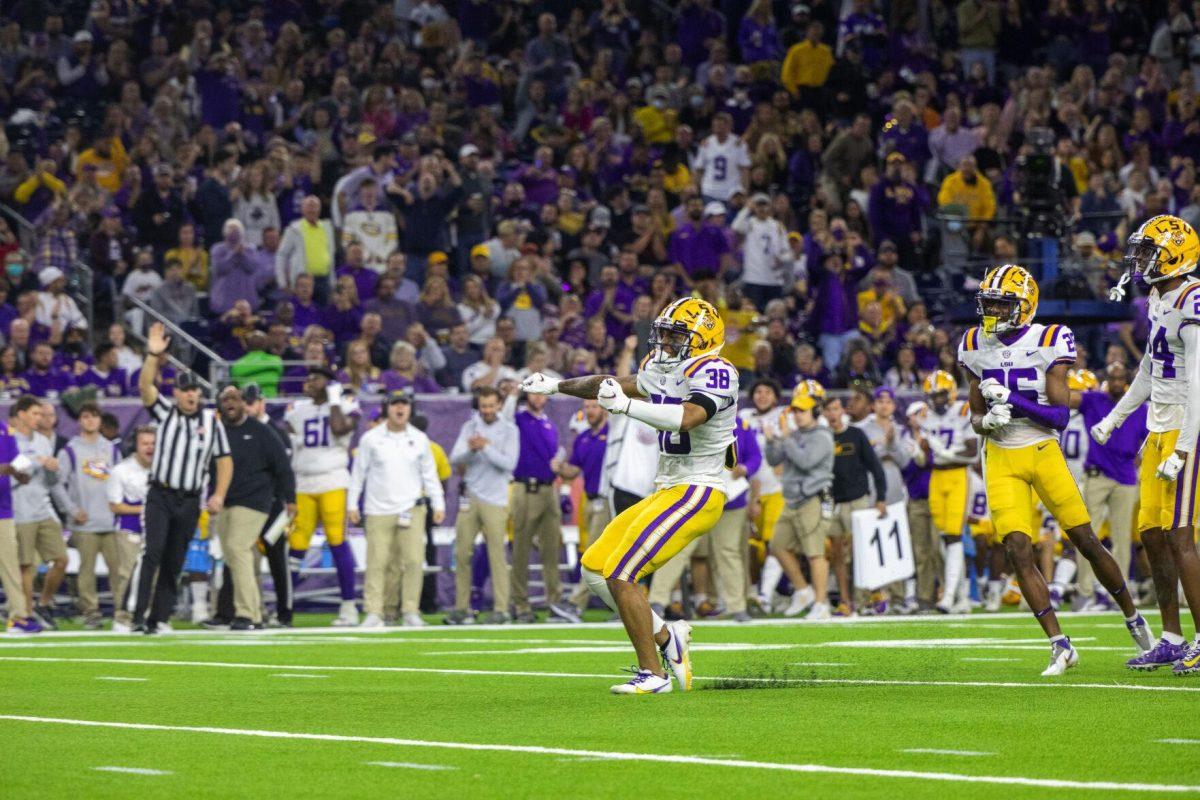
358 473
429 479
61 490
809 456
749 454
503 453
1055 417
1191 417
1138 391
460 454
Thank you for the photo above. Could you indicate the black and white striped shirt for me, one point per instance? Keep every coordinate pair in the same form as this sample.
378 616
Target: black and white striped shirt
186 445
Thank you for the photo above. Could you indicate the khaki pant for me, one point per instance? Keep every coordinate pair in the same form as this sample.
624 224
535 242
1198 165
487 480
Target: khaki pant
927 550
492 522
238 528
91 544
535 514
10 571
129 546
598 514
801 529
394 554
666 577
729 540
40 541
842 526
1108 500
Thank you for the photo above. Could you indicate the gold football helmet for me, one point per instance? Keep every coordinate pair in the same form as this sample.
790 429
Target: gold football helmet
1163 247
688 328
940 381
1007 299
1082 380
808 395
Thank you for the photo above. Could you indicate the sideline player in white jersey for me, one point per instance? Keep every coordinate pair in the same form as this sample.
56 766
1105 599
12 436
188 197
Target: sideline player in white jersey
126 491
722 163
321 425
1164 253
692 395
1019 404
1074 438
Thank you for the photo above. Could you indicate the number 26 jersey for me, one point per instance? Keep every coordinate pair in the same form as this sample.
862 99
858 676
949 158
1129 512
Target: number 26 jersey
702 455
320 459
1169 314
1021 366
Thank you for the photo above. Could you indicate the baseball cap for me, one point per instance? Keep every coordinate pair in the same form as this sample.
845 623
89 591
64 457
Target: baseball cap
438 257
467 150
481 250
714 209
49 275
896 157
163 169
398 396
800 8
82 36
760 197
887 244
600 217
251 392
807 394
186 381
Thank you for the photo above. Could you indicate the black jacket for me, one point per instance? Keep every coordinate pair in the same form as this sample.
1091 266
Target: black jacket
853 459
261 469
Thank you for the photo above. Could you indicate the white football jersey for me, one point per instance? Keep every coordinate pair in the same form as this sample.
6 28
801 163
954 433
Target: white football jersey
768 481
1169 313
722 163
320 460
128 483
1021 365
952 428
696 457
1074 441
977 504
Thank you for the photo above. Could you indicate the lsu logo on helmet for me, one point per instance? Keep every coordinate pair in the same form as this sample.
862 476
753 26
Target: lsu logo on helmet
1082 380
1007 299
807 395
1163 247
940 381
688 328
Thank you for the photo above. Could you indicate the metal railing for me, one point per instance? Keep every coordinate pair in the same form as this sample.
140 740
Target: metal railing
216 364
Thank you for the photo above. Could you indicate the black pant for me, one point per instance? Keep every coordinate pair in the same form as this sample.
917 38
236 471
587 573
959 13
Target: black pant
623 500
169 518
281 577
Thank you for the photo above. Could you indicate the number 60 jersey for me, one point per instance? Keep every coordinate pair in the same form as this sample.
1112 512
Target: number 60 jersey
702 455
320 459
1021 365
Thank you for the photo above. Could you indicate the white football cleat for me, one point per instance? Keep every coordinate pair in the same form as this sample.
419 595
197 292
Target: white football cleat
414 620
801 601
820 611
1062 657
163 627
645 682
372 621
676 653
121 627
347 615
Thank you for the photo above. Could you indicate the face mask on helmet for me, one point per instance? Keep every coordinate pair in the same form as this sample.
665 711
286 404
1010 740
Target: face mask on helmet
997 312
671 342
1143 258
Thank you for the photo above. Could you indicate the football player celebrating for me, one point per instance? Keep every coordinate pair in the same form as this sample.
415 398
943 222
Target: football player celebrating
1019 401
1163 252
691 399
321 425
950 444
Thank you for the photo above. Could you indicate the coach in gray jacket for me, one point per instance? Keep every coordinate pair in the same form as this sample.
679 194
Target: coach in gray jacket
805 449
86 462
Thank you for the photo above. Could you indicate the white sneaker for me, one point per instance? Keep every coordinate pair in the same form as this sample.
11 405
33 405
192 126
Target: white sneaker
1062 657
371 621
347 615
801 601
963 606
121 627
992 603
820 611
677 655
645 682
414 620
163 627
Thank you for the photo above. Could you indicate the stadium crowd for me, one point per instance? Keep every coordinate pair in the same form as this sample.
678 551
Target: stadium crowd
444 197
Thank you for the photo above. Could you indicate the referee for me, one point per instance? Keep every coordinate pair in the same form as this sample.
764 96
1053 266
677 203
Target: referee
189 437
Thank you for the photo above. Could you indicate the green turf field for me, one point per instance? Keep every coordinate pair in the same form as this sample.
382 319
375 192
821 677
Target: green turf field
907 708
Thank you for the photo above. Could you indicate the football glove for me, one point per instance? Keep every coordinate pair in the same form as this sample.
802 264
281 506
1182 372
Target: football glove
612 397
537 383
993 391
1103 429
996 417
1169 469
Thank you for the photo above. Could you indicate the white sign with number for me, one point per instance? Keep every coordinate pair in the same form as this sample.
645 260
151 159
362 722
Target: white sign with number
882 547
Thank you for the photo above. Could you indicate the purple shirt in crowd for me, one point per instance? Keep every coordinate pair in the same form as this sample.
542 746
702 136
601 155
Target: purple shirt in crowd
51 383
306 315
587 453
364 278
420 384
539 443
699 251
114 384
917 480
749 456
8 451
623 299
1116 457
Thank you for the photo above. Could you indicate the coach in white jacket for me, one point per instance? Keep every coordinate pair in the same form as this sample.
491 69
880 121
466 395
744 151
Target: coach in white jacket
393 471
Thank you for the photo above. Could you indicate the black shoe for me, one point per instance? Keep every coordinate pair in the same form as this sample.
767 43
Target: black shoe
243 624
45 615
149 627
216 624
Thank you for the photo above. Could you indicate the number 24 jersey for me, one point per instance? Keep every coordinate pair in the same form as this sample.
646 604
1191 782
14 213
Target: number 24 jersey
1021 366
1169 314
700 455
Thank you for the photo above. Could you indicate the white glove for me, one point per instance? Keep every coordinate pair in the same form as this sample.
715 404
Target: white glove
996 417
334 392
1117 293
1103 429
936 447
1169 469
537 383
994 392
349 405
612 397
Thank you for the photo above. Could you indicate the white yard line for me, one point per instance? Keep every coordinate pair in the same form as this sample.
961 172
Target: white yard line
934 751
600 675
616 647
297 675
660 758
120 679
1178 741
820 664
409 765
133 770
991 659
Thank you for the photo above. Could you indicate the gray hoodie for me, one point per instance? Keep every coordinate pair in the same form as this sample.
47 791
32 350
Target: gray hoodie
85 468
807 458
31 501
894 457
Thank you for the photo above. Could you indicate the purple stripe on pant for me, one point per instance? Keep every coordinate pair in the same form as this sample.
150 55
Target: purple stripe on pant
674 529
1177 521
653 526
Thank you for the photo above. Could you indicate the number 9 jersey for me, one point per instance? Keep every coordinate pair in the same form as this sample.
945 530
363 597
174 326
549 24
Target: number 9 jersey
1020 365
702 455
